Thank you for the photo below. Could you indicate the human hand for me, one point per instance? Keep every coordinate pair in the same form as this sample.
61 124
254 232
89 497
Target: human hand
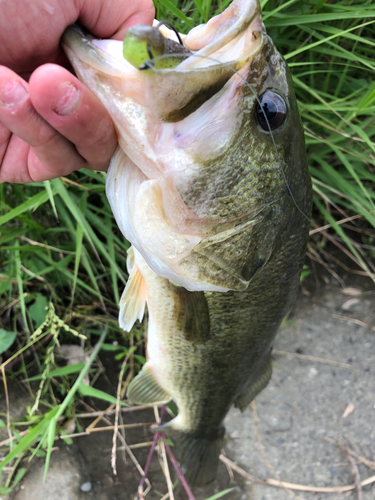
53 124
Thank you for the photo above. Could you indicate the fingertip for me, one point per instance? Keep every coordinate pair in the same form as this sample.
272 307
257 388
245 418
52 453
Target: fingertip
145 16
55 92
48 77
118 17
12 86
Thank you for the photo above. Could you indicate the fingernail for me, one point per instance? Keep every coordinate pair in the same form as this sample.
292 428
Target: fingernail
69 100
12 93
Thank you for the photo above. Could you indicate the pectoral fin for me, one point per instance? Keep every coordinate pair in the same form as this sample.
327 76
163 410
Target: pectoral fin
146 390
133 299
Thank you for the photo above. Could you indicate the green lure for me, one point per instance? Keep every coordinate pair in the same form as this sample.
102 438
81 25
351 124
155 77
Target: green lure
143 46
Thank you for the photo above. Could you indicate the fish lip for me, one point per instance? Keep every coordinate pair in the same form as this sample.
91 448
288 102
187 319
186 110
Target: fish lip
80 48
74 36
79 29
249 11
75 40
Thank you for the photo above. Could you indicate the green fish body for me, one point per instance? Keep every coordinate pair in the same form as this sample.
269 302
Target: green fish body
210 184
206 351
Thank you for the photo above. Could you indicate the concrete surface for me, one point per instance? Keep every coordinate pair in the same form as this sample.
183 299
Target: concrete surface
306 400
303 405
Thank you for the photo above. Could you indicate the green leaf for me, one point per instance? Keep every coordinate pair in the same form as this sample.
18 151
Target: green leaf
59 372
47 185
86 390
140 358
19 475
174 10
293 20
221 494
172 406
95 242
50 441
67 440
168 442
38 310
79 243
29 439
368 97
6 339
111 347
31 204
324 40
4 490
126 352
20 286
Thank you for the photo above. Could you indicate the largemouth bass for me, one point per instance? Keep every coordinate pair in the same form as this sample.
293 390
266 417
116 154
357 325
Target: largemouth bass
211 186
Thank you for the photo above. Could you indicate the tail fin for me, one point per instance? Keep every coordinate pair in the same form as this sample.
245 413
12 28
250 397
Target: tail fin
199 455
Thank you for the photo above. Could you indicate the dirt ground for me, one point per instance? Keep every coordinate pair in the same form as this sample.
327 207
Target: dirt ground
306 407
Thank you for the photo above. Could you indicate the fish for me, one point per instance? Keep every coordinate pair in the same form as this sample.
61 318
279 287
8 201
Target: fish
210 184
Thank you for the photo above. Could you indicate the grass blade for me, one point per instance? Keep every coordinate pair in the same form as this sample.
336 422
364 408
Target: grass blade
86 390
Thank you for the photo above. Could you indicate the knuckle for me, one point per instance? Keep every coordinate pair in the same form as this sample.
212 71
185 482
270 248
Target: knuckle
44 137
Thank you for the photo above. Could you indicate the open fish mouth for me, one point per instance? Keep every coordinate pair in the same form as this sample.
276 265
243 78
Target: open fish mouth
196 180
219 49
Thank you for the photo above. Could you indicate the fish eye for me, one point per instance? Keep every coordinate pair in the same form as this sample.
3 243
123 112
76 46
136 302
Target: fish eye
270 111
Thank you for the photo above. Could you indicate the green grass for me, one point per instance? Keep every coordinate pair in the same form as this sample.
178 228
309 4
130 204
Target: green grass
63 258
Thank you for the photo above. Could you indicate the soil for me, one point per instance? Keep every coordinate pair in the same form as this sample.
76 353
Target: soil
307 405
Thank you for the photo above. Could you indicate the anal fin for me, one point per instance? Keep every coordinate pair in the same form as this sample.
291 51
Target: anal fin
260 383
144 389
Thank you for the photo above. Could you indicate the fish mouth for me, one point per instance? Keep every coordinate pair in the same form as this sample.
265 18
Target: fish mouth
220 49
227 38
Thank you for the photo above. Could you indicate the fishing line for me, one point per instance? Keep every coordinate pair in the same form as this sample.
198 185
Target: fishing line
150 63
170 26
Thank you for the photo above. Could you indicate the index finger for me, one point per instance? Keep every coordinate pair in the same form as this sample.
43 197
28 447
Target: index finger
112 20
